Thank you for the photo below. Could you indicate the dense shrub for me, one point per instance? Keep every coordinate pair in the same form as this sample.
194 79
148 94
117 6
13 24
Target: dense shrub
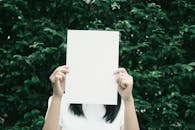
157 47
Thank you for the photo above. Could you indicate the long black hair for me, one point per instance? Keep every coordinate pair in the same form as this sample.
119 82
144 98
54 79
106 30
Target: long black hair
111 110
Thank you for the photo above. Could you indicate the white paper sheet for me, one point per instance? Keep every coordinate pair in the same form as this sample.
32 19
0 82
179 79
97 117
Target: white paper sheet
92 58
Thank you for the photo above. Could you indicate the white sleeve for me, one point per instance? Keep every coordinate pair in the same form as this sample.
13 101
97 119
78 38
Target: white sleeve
122 114
48 106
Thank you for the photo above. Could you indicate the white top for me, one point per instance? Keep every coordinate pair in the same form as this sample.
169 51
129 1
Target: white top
93 119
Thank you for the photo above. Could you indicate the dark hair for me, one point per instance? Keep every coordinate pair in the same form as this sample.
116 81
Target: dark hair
111 110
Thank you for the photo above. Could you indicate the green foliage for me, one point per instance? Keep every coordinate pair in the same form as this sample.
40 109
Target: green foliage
156 47
32 121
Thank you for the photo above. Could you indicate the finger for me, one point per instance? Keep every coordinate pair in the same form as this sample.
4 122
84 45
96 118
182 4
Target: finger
131 78
61 74
119 82
57 75
62 69
63 66
124 76
125 83
55 79
122 70
118 79
121 76
57 83
121 87
60 77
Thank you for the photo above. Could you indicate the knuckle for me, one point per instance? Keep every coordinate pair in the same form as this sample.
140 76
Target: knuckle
50 78
123 69
57 73
131 77
57 70
57 77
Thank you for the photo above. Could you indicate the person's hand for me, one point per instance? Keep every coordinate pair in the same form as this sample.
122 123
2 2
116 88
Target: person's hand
57 79
125 84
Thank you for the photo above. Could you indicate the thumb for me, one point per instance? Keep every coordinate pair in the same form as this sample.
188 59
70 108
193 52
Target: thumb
58 84
62 84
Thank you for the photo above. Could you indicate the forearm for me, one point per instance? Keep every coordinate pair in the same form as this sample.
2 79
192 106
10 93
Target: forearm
130 117
52 119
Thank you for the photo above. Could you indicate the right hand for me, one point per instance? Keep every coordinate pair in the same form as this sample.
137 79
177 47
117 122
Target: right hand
57 79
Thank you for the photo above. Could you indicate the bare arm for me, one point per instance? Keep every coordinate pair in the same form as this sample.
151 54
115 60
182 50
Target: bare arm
130 117
57 79
125 87
52 119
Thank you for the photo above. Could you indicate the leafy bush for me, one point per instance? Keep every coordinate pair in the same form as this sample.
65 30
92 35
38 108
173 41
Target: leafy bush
156 47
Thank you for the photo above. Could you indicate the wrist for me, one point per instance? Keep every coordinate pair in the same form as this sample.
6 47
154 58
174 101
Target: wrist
56 97
129 100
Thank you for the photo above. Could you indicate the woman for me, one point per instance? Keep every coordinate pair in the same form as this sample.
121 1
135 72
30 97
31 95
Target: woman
63 116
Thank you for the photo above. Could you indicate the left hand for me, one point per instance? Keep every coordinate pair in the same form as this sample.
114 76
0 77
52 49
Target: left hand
125 84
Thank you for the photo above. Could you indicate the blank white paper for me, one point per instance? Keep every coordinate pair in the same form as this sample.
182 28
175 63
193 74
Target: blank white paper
92 58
